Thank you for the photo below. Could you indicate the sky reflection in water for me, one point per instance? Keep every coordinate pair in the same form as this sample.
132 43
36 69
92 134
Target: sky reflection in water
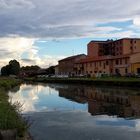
105 108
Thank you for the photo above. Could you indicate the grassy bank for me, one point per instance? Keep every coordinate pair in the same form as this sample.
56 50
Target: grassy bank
10 117
106 81
7 83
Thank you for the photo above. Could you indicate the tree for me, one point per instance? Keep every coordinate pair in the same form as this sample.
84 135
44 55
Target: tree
5 70
13 68
50 70
29 68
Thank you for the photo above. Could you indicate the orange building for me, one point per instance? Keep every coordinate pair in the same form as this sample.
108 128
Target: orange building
66 65
119 57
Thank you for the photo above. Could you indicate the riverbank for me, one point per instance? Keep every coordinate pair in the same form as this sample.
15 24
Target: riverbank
107 81
7 83
12 125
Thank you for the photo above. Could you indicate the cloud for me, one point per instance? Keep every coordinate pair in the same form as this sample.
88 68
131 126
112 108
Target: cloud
136 21
25 21
15 4
29 98
23 50
59 19
14 48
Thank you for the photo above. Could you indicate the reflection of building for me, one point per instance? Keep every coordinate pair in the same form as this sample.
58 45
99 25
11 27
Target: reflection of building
104 101
111 57
76 98
66 66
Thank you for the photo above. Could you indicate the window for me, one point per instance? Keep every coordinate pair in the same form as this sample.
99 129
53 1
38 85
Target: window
107 62
100 64
131 48
117 62
126 70
104 65
95 64
125 60
120 61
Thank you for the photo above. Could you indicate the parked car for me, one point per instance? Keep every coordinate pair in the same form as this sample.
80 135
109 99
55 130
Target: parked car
137 75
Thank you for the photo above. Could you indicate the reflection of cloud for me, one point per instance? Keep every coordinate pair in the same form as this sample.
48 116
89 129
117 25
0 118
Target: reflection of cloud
137 125
28 96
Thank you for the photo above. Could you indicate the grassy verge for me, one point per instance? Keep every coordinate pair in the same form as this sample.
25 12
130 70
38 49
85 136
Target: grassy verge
10 117
8 83
107 81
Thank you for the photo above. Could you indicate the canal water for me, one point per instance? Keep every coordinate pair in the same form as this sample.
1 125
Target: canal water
80 112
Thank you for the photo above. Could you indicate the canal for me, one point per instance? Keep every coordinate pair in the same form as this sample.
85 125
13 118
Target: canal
80 112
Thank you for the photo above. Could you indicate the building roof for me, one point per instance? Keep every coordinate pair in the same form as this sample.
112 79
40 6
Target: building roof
111 40
101 58
98 41
72 57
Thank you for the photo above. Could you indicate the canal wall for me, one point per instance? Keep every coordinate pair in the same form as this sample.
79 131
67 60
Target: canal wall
121 82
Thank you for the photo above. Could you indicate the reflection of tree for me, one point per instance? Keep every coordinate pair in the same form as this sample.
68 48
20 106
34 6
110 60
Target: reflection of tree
120 102
15 89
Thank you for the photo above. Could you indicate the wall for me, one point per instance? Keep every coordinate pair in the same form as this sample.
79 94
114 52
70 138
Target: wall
93 49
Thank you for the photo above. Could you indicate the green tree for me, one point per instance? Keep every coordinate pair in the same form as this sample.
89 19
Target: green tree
50 70
33 68
4 71
13 68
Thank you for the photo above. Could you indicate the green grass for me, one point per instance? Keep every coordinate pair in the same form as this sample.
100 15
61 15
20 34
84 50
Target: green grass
8 83
10 117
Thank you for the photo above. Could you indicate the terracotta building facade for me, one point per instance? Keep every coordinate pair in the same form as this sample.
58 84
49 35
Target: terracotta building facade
66 65
119 57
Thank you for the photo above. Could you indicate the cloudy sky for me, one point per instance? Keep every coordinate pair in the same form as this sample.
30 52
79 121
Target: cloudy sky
44 31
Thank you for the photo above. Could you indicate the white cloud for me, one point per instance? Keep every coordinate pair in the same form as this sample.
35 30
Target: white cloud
51 60
59 18
136 21
21 22
15 4
14 48
17 47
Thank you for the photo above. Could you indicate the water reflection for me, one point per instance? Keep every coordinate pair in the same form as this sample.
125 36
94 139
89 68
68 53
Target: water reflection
80 112
97 100
35 98
120 102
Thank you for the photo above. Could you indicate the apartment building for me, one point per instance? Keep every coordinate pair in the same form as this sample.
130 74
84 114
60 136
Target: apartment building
110 57
66 65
